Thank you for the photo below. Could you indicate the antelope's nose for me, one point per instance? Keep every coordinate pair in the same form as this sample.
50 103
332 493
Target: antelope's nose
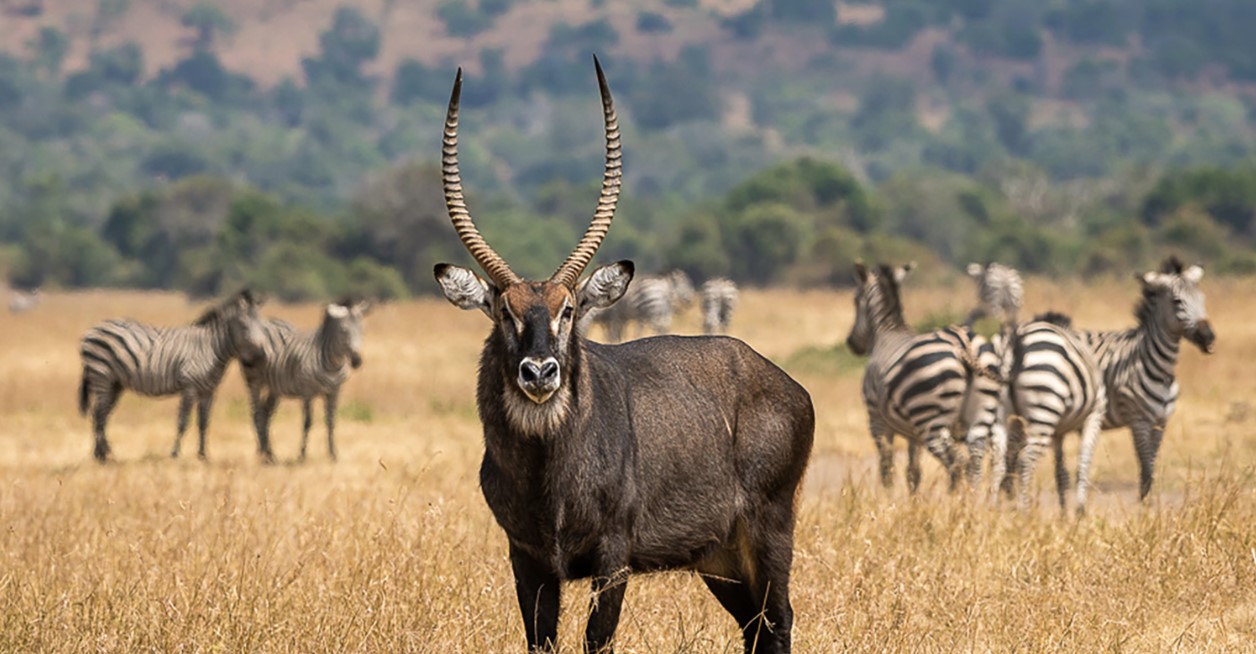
538 374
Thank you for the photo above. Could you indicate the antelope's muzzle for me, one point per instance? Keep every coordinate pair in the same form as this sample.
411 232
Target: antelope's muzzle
539 378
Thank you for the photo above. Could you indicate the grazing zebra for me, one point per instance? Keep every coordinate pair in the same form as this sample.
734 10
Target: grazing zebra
920 386
1138 364
22 301
1000 293
650 301
1054 387
123 355
305 365
719 299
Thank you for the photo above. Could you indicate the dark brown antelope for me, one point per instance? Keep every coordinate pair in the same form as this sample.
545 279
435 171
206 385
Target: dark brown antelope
603 460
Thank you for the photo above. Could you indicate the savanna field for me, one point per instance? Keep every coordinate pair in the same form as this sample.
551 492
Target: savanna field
393 549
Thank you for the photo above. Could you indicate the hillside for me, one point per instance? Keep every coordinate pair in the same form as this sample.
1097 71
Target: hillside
1078 135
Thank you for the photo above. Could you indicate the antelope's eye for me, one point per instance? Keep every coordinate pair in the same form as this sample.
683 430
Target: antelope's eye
567 312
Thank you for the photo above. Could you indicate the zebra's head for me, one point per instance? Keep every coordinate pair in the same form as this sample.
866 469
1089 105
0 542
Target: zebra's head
245 337
1172 298
343 322
535 343
877 303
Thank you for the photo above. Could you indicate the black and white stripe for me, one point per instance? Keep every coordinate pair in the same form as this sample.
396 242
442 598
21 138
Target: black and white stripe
189 361
651 301
920 386
305 365
719 300
1000 292
1139 364
1054 387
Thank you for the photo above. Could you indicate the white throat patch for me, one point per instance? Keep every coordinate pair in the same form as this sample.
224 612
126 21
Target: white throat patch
537 420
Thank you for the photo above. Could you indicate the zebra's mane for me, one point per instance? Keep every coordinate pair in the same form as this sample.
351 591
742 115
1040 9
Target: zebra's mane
1057 318
219 311
890 290
1143 311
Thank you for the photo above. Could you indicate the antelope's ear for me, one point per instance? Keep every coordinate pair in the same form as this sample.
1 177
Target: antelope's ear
861 272
464 289
605 286
1193 274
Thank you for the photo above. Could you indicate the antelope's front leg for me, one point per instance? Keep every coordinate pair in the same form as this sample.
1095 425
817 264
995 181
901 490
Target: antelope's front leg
538 591
609 583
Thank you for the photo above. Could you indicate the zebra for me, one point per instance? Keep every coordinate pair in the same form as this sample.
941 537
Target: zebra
921 386
1000 293
22 301
719 299
189 361
1054 387
1138 364
305 365
651 301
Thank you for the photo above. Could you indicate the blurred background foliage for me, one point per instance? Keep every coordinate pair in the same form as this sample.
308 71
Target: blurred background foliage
773 141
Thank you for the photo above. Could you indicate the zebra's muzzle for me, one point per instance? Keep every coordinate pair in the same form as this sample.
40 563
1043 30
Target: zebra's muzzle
1203 337
355 360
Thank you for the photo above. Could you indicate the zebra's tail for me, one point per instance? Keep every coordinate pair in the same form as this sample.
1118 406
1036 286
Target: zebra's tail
85 397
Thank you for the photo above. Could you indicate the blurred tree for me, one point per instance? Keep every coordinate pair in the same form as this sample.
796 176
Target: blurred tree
352 41
49 48
209 22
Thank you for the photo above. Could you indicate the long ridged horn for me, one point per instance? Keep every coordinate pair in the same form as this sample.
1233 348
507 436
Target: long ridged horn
492 263
570 271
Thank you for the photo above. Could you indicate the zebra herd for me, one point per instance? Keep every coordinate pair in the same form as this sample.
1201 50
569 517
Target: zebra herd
1028 386
278 360
652 301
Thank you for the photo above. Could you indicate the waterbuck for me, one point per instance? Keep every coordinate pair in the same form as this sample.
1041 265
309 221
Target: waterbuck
603 460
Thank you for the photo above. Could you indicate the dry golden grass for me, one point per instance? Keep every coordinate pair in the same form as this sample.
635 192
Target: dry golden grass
393 549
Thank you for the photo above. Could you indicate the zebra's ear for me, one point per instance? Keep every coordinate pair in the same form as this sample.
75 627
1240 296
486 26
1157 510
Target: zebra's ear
1193 274
1150 280
338 311
362 307
975 269
464 289
900 273
861 272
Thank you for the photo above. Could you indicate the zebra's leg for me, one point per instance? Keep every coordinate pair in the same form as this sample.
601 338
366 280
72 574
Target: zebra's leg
998 457
1061 472
913 465
105 401
1014 444
884 440
257 406
186 399
202 424
941 446
1090 436
1147 437
330 405
978 440
1027 461
306 409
